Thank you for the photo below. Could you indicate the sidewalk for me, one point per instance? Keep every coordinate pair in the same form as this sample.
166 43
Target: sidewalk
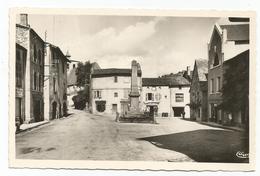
222 126
29 126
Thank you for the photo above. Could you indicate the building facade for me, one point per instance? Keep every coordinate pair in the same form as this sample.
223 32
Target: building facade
198 91
180 99
55 84
110 90
156 95
226 42
20 62
34 72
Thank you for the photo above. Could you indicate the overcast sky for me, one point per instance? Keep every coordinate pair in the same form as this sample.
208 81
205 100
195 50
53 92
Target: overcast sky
162 45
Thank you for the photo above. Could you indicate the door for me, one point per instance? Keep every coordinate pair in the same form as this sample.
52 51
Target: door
114 108
37 110
54 109
18 110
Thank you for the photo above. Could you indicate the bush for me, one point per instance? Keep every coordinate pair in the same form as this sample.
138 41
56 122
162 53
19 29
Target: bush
80 100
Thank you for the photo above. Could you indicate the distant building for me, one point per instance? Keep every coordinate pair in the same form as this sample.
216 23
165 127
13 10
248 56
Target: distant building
72 88
199 91
20 62
110 88
55 84
226 42
34 70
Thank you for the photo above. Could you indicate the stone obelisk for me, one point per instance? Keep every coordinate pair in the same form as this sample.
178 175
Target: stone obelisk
134 93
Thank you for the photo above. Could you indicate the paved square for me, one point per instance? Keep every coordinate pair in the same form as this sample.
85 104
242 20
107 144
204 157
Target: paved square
84 136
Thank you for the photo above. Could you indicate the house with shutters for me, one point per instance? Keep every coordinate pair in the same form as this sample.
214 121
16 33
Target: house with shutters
199 91
226 42
110 90
169 96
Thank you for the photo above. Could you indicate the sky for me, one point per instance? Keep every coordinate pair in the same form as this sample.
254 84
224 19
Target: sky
161 45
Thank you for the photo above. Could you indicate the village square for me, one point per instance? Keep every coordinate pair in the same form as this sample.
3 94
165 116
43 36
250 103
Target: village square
69 109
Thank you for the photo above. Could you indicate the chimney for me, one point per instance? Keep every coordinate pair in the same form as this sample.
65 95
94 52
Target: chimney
188 70
24 19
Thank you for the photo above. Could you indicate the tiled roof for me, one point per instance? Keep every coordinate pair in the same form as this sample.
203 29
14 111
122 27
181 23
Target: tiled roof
202 67
170 81
113 72
238 32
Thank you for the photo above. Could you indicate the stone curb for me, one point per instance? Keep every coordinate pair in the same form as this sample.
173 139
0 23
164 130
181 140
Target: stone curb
30 128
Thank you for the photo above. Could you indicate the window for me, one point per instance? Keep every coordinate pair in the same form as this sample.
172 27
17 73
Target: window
216 60
19 75
211 86
158 96
115 94
54 85
179 97
40 82
39 56
149 97
218 84
115 79
97 94
34 80
34 53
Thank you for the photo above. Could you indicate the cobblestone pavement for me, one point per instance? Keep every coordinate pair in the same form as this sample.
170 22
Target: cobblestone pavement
83 136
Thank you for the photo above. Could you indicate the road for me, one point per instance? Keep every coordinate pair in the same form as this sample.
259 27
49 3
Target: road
84 136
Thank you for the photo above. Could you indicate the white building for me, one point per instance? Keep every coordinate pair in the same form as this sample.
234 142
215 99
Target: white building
110 88
169 96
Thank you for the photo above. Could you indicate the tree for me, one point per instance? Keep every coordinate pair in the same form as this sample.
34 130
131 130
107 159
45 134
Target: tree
83 72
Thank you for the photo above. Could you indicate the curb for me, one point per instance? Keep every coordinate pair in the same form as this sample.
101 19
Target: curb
30 128
223 127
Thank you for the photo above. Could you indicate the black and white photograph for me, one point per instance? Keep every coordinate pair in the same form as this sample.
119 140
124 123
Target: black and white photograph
163 89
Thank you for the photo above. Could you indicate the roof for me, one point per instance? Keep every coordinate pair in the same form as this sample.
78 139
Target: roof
202 68
59 51
113 72
72 78
20 47
237 58
170 81
238 32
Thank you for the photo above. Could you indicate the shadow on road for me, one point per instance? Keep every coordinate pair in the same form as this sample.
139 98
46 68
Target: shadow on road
205 145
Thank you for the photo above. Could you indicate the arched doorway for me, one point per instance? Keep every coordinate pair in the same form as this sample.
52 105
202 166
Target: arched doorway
54 110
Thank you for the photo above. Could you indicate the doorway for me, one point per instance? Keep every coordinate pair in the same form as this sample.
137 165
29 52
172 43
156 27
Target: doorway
114 108
37 110
54 110
177 111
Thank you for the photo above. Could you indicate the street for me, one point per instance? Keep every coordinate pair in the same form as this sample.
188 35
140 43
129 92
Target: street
84 136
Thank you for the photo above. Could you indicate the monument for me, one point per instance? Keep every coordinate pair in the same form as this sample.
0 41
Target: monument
134 113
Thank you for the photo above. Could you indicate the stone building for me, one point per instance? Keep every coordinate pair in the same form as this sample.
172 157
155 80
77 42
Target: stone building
110 89
34 72
20 62
55 84
198 91
226 42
